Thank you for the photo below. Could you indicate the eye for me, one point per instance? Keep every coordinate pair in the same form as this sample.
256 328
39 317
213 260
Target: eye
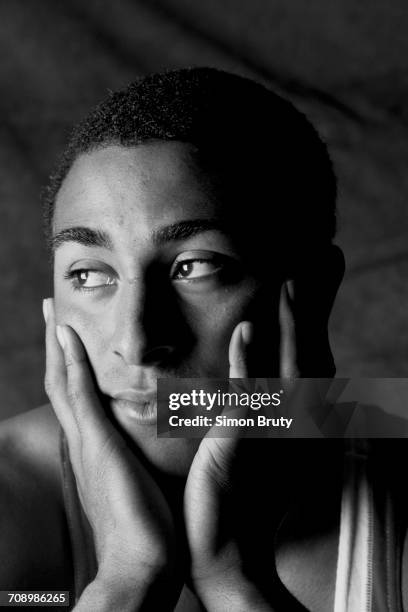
193 269
90 279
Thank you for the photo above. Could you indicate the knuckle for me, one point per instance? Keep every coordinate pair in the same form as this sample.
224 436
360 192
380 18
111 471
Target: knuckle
77 371
71 361
74 396
79 399
80 384
49 385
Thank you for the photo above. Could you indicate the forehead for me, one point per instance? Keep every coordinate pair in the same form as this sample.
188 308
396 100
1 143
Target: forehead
136 186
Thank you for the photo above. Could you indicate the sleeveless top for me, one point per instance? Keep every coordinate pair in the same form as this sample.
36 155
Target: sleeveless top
369 560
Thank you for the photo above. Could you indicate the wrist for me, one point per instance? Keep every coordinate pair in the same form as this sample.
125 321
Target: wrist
137 586
104 597
231 591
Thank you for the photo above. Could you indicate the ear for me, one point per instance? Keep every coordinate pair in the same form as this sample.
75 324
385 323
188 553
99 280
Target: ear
316 278
312 288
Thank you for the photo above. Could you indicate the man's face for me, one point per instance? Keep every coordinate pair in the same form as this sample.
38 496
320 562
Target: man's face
148 278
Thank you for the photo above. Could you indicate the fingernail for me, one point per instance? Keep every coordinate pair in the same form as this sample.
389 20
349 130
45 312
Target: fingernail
290 289
60 331
45 309
246 332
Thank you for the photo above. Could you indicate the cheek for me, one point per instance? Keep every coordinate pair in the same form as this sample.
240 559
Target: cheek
88 326
212 320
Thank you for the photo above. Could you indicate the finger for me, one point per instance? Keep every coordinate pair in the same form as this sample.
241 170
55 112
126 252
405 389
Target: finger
288 343
240 340
221 442
82 393
55 376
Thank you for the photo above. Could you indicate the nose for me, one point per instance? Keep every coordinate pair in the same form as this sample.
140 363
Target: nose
139 336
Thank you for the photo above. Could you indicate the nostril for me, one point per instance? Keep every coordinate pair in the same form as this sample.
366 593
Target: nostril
159 354
155 356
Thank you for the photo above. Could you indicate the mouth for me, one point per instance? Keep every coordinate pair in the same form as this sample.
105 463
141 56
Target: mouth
140 406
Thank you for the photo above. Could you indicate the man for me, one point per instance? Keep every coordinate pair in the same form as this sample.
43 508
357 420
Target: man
191 221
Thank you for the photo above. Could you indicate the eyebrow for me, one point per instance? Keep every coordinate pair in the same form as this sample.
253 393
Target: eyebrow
83 235
181 230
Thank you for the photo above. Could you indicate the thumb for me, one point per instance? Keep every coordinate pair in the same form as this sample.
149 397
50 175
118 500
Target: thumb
219 445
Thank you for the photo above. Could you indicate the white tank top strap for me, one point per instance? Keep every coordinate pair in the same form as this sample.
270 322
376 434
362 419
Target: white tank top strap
367 575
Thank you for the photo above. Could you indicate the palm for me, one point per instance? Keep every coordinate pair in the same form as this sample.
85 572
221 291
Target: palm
206 497
118 494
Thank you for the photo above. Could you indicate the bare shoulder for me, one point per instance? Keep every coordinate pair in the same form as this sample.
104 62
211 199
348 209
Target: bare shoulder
31 439
34 545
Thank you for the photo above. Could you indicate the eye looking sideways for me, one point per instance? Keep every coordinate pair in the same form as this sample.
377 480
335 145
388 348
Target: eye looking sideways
193 266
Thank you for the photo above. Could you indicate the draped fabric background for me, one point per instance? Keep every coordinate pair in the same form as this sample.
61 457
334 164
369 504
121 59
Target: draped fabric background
343 63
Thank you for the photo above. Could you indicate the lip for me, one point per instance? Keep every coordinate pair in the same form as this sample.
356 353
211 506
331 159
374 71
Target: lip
138 406
142 413
136 395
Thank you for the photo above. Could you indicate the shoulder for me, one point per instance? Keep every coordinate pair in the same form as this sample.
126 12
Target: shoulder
32 437
29 450
32 519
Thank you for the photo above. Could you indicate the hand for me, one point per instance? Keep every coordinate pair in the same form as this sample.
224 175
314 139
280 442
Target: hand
131 522
228 511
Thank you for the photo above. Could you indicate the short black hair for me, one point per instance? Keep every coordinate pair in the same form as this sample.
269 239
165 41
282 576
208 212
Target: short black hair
265 146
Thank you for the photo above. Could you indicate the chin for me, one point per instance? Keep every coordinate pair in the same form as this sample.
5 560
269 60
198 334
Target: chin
169 456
